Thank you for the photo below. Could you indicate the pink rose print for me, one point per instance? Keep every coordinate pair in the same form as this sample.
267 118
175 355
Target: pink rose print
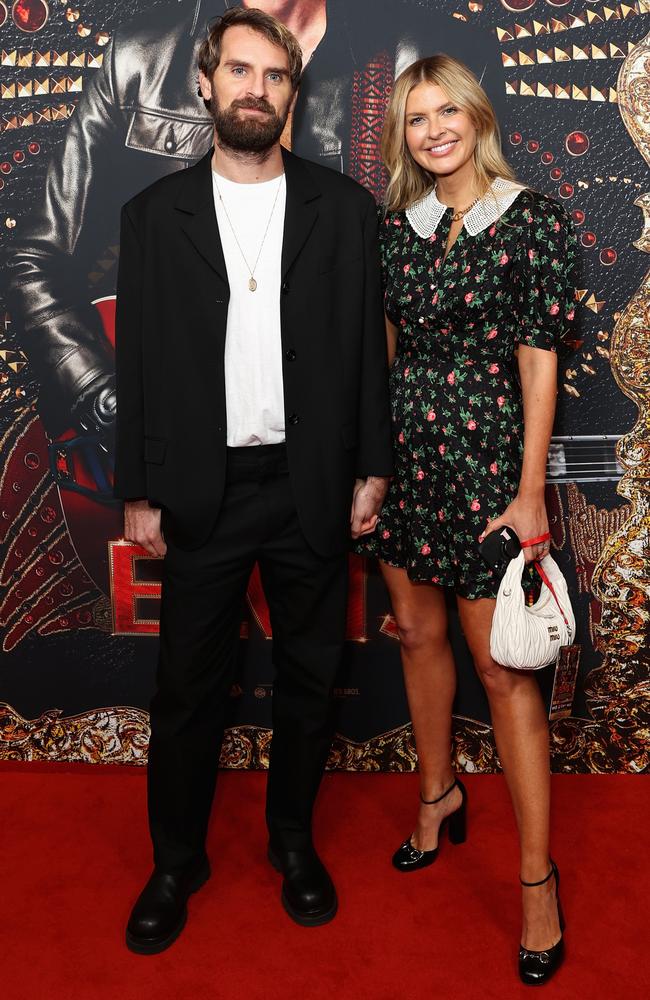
503 259
402 505
385 533
400 437
420 474
442 449
407 268
471 425
570 314
407 372
556 227
425 550
441 515
469 296
431 415
434 300
451 378
500 401
554 309
492 334
397 222
437 262
531 255
493 369
493 230
475 505
493 468
466 270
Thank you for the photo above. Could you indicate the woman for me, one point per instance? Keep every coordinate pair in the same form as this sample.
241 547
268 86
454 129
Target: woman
478 293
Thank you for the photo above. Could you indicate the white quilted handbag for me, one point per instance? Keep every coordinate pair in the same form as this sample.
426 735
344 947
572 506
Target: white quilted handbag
529 638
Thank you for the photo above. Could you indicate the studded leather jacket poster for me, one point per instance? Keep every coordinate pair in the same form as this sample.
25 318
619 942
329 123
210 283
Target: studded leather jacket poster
98 100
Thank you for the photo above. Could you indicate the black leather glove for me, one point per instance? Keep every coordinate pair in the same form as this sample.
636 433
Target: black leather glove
96 409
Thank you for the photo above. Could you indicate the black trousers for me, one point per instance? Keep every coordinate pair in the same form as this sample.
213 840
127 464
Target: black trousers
202 599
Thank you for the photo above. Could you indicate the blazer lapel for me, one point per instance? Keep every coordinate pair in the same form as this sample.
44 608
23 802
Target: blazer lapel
196 202
301 209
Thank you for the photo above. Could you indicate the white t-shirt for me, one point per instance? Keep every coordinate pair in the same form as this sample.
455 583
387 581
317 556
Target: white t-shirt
253 354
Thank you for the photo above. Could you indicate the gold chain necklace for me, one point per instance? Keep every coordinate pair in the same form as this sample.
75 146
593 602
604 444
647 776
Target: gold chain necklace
252 283
457 216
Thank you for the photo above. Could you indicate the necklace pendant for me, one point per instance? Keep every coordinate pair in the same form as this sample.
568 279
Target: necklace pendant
252 284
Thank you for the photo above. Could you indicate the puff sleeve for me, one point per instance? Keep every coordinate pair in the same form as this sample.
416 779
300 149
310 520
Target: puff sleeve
545 275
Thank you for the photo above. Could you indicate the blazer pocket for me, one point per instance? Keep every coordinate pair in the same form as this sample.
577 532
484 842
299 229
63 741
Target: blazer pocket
349 433
154 450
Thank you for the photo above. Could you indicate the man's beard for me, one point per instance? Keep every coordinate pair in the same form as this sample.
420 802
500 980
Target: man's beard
246 134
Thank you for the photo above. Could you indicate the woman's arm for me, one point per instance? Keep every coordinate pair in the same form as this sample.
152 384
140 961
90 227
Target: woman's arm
391 339
538 374
527 512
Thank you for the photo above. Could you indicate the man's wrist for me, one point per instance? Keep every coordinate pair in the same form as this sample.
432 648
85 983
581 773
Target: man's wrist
377 484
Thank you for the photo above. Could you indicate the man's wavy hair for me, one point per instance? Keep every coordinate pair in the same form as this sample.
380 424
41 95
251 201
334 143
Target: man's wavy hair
408 180
256 20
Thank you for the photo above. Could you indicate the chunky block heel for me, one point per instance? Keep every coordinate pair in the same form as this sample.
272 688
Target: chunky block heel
458 820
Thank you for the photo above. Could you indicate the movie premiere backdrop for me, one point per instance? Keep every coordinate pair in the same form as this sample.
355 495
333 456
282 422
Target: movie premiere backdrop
98 99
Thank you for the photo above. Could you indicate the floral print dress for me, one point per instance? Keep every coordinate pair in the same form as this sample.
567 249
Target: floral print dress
456 397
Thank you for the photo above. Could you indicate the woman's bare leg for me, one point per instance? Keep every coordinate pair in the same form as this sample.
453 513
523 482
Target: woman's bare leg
521 734
430 679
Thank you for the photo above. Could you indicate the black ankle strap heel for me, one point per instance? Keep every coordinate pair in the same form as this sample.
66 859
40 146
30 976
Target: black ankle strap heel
409 859
542 881
431 802
537 967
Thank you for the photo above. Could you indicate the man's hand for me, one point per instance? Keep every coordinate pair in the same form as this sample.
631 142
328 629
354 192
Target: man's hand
142 525
367 501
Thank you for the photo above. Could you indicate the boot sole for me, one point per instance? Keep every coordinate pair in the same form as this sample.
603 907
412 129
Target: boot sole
155 946
303 919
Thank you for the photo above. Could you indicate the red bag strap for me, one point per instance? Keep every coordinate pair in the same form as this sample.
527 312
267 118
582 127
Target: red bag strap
542 572
535 541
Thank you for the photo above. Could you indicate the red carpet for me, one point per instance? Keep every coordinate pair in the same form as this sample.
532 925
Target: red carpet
75 853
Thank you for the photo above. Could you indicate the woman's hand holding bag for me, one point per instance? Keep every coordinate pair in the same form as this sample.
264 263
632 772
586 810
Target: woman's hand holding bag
529 638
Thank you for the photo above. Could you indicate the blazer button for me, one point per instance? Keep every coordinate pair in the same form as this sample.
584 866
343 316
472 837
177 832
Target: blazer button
294 418
290 355
284 287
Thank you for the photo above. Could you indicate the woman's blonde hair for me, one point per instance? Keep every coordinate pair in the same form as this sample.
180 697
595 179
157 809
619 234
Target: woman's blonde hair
408 180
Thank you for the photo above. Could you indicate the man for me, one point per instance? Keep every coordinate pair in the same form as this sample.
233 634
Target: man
252 391
140 119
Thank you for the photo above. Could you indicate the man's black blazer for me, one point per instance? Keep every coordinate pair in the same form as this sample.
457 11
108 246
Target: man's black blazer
172 307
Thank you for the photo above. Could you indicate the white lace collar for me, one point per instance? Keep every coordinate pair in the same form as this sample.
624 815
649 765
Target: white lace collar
426 213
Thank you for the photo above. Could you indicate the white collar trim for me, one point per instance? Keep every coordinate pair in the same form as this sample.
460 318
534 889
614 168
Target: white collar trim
425 214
